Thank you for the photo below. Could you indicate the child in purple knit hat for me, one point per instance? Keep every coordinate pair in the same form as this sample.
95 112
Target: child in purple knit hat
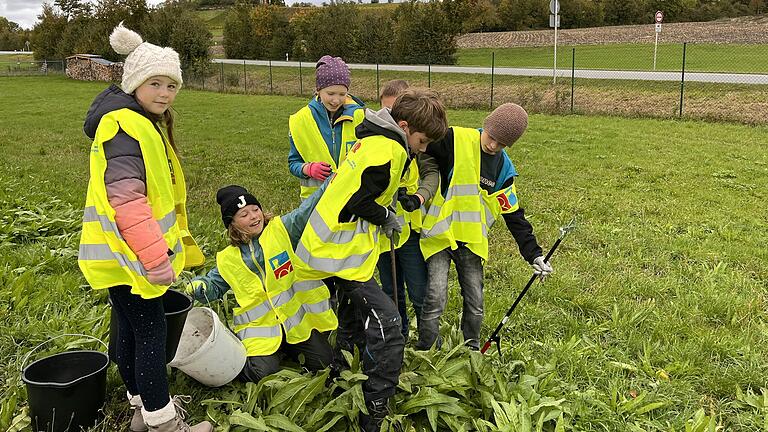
322 132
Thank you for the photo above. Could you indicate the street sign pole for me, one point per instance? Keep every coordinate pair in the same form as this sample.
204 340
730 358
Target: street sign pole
554 68
554 8
658 17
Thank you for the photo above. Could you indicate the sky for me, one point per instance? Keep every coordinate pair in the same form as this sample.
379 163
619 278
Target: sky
25 12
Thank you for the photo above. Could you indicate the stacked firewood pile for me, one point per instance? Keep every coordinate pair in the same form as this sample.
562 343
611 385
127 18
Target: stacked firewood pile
89 67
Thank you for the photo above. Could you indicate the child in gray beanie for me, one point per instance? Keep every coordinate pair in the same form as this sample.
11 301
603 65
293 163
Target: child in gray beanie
477 183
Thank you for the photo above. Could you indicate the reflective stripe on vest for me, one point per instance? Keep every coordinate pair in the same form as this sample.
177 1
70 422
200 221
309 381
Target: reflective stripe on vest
274 300
349 250
312 147
105 258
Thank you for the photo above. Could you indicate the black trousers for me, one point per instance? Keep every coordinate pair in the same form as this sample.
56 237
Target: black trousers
316 352
140 348
369 320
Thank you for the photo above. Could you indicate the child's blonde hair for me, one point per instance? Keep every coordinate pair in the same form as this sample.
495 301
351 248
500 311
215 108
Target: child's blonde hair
238 237
423 111
393 88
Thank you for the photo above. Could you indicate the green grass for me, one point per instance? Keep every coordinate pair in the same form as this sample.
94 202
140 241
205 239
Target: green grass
657 311
699 57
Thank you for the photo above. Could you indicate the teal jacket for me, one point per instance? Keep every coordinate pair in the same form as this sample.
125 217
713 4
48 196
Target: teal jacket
213 286
323 120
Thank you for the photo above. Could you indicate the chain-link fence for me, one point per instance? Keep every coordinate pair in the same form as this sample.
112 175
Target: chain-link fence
31 67
689 80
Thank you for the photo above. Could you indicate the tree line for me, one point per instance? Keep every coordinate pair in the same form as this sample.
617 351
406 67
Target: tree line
412 32
67 27
509 15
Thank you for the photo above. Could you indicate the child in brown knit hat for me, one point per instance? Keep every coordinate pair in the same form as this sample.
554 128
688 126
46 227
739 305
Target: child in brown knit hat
477 186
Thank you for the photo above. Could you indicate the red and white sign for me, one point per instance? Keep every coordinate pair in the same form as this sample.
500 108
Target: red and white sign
659 16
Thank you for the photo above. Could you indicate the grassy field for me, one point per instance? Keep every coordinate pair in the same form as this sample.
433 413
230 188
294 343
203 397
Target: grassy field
669 57
656 318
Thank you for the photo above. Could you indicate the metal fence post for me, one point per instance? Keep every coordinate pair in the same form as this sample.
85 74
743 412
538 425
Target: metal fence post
270 77
493 67
682 79
377 80
573 74
245 78
301 82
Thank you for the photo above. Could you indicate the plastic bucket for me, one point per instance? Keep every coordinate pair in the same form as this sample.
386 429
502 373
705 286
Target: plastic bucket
66 391
176 305
208 351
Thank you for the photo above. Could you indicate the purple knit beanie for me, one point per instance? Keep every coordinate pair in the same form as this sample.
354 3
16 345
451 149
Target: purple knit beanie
331 71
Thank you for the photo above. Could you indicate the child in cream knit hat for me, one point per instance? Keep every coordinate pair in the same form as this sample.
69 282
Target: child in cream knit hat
133 242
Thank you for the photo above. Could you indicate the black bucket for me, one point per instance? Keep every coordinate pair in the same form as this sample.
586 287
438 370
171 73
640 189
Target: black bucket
176 305
66 391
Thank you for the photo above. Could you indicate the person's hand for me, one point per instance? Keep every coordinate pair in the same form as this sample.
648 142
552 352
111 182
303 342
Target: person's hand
162 274
392 224
409 202
196 289
541 268
317 170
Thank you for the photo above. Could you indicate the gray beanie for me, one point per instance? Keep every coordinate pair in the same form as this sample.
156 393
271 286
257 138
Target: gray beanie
507 123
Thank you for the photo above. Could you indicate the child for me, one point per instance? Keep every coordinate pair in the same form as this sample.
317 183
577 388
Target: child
135 240
341 239
416 190
278 312
322 132
477 185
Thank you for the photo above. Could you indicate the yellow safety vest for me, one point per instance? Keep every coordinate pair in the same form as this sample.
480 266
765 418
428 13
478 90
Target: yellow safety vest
411 220
105 258
311 146
350 250
274 300
467 211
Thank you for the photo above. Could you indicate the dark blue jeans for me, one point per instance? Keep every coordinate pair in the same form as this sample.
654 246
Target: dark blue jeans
411 272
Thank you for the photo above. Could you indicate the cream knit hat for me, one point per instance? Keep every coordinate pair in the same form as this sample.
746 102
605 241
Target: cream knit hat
144 59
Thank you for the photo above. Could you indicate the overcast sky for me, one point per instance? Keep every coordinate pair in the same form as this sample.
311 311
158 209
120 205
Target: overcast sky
25 12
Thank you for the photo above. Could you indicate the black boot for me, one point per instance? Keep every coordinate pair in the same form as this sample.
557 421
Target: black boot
377 410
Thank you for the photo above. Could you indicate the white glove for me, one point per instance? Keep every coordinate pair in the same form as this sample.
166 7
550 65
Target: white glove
541 268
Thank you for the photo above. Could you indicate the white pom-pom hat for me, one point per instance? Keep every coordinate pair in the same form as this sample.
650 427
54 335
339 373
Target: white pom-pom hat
144 59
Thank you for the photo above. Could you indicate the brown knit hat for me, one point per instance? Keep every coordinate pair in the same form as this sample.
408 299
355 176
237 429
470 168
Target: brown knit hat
506 123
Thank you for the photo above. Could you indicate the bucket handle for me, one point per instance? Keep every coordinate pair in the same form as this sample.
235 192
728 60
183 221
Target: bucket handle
26 357
188 280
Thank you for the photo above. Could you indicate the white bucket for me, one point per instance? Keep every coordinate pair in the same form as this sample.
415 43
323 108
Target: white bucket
208 351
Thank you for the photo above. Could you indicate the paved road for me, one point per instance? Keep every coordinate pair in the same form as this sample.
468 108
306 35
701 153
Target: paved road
18 52
707 77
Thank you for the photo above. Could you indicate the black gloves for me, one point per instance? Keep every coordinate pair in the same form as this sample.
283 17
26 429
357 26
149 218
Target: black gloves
409 202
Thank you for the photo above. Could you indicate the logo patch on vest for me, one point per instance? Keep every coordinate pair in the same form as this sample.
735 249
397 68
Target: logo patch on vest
357 145
281 264
506 199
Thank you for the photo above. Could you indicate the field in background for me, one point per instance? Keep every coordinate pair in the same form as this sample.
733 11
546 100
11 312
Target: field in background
656 316
669 57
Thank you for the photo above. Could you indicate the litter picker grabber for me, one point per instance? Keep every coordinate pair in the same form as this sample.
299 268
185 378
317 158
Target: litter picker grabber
496 337
394 270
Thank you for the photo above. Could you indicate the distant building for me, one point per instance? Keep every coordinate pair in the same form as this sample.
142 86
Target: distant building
91 67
